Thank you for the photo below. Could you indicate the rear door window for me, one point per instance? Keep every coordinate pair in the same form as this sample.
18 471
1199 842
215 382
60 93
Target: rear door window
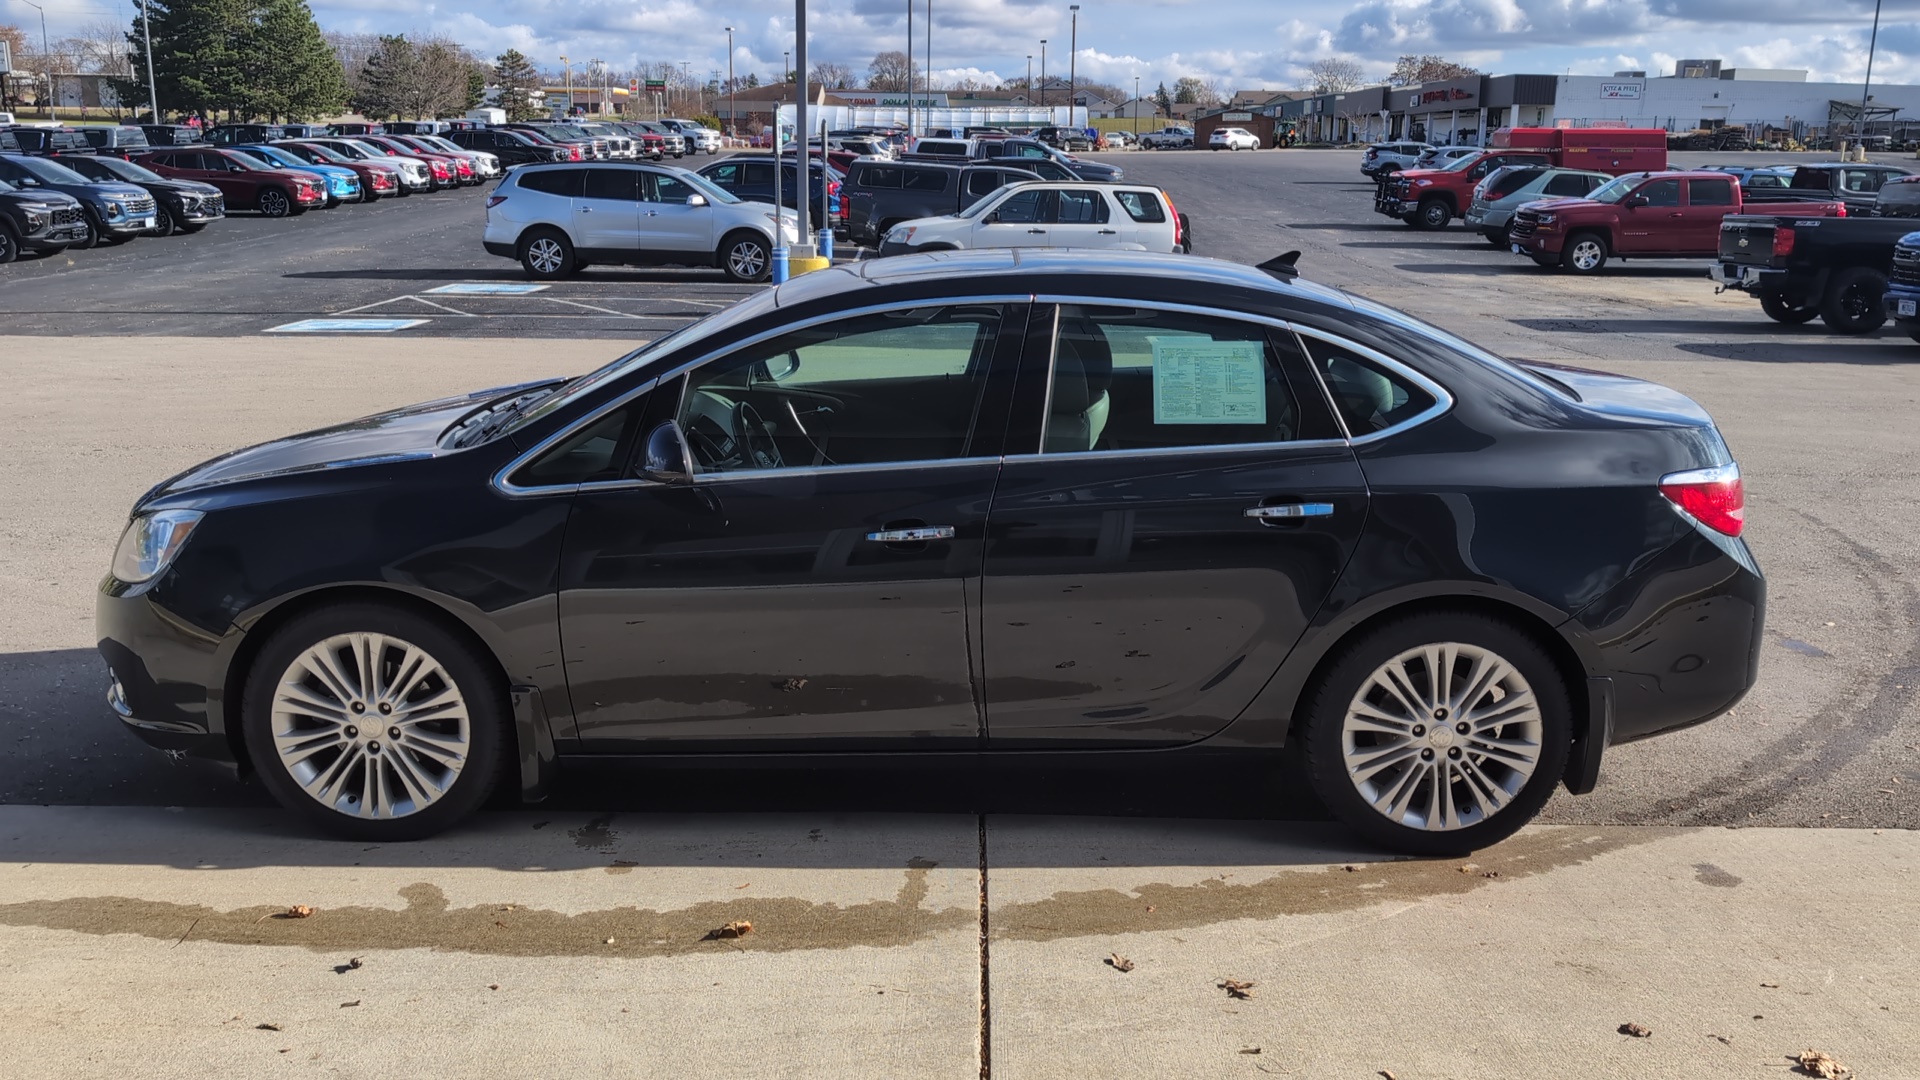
1710 192
614 185
880 176
1368 397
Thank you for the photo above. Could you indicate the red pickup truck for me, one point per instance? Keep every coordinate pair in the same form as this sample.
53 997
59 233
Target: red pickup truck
1662 215
1430 198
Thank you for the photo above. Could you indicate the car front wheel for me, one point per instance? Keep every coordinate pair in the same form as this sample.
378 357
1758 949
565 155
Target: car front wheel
9 247
745 257
1584 254
1439 734
375 723
1432 215
275 203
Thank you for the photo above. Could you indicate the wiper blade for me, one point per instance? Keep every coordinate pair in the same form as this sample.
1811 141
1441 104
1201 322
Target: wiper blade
487 423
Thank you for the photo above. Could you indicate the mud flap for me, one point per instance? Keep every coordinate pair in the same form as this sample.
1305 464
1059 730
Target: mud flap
533 737
1583 762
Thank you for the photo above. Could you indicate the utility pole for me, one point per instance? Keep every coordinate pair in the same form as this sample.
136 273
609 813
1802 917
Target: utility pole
567 77
1864 87
597 73
1043 75
1029 78
146 25
909 69
1073 59
733 118
927 110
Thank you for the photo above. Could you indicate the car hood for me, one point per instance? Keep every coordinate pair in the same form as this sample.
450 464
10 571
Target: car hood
1557 203
182 187
403 434
105 189
39 199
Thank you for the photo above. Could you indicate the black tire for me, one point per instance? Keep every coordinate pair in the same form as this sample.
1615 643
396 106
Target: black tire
1781 310
1585 253
274 203
170 223
547 255
1387 170
1500 238
1432 216
745 256
194 226
367 194
1913 333
93 237
489 730
1326 704
9 247
1852 304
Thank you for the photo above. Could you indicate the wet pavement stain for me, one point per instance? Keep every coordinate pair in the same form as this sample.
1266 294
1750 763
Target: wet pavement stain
1708 874
595 835
1314 892
784 924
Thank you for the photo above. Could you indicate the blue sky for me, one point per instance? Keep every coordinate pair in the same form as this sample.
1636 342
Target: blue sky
1240 43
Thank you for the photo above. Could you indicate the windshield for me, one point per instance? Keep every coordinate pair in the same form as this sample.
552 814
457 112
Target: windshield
274 155
366 149
713 192
692 332
1616 189
439 143
323 153
48 172
5 187
246 161
1459 163
126 170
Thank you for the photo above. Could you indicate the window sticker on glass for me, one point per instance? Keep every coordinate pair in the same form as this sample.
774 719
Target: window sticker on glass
1198 381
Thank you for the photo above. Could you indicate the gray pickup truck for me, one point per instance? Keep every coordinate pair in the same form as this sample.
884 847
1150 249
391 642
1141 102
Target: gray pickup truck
1855 184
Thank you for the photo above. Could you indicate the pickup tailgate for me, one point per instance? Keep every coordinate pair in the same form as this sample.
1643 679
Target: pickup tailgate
1748 240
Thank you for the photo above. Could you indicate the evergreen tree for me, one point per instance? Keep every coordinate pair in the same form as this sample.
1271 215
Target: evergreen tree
1164 100
246 58
296 73
388 81
476 87
518 82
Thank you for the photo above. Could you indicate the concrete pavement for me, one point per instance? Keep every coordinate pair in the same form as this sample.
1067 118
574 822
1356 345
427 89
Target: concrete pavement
486 952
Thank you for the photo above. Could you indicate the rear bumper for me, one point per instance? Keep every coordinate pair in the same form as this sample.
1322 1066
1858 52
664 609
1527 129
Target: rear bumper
495 247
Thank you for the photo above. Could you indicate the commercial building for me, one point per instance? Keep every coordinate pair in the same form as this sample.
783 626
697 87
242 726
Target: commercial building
1699 94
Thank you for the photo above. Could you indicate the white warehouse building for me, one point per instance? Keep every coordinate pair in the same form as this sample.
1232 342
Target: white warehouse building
1738 97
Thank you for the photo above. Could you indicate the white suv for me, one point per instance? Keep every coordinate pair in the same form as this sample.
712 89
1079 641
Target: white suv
1125 217
1227 138
556 219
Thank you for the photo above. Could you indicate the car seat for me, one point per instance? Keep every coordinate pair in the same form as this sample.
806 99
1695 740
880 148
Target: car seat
1082 373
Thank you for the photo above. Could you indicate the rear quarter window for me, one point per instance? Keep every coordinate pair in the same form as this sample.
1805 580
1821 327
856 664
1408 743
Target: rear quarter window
924 180
553 181
1142 206
878 176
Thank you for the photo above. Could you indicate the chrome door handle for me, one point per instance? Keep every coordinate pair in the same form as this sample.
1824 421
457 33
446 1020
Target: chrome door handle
586 209
911 536
1042 232
1109 232
651 213
1289 511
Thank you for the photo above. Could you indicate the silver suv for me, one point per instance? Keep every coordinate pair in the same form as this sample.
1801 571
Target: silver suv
1390 157
556 219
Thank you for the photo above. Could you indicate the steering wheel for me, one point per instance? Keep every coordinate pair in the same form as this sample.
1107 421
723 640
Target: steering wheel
757 448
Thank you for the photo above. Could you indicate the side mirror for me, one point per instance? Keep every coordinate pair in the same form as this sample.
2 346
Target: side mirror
666 458
236 168
993 218
696 200
1634 202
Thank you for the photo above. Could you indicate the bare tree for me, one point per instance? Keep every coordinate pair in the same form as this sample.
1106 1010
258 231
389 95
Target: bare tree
892 71
831 76
1410 70
1336 75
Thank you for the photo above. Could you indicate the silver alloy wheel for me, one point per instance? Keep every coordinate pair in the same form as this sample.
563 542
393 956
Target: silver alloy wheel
370 726
273 204
546 255
1442 737
1587 254
747 259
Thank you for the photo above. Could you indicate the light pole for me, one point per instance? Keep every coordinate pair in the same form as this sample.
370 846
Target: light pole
46 61
927 113
733 120
567 77
1043 73
146 26
1136 112
909 69
1030 78
1073 58
596 71
1864 86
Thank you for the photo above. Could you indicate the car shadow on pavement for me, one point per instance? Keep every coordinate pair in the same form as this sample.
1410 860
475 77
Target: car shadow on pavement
1878 354
1440 244
689 275
1756 327
1519 266
1348 226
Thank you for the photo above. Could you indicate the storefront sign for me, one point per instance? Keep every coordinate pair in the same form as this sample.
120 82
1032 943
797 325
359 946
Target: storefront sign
894 101
1613 91
1431 96
1236 117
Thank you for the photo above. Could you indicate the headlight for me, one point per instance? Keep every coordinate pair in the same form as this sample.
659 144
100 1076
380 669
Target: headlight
36 222
1423 183
115 209
151 542
1547 219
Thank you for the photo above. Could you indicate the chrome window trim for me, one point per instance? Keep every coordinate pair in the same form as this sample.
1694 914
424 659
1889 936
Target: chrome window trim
1442 399
502 484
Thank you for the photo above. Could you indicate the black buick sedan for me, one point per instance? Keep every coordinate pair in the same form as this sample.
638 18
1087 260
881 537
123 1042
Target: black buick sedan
995 502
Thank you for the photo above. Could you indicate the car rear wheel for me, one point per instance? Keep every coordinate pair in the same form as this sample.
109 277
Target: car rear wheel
375 723
1585 253
1439 734
9 247
1432 215
546 255
1852 304
745 257
1782 310
275 203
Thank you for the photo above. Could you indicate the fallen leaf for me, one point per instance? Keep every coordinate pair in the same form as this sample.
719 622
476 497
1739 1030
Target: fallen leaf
1770 986
348 1004
299 911
1249 1049
793 684
1815 1063
744 884
738 929
1149 909
1236 989
1121 963
266 1027
1724 1041
355 963
1388 1073
1351 869
496 986
497 922
1488 874
1636 1031
509 907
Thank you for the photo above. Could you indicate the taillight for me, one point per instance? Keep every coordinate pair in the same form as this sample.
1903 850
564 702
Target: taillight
1782 241
1842 211
1178 236
1713 497
575 152
495 200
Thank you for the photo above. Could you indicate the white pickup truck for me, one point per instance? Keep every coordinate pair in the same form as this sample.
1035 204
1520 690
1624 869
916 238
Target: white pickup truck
1168 138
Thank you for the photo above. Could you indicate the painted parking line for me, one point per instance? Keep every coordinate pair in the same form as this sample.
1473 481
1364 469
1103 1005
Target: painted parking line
485 288
346 326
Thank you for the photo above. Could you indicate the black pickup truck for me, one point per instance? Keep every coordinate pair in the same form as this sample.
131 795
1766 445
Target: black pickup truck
1830 267
1855 184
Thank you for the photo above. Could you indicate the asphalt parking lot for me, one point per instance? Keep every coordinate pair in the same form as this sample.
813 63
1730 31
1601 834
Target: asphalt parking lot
945 920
